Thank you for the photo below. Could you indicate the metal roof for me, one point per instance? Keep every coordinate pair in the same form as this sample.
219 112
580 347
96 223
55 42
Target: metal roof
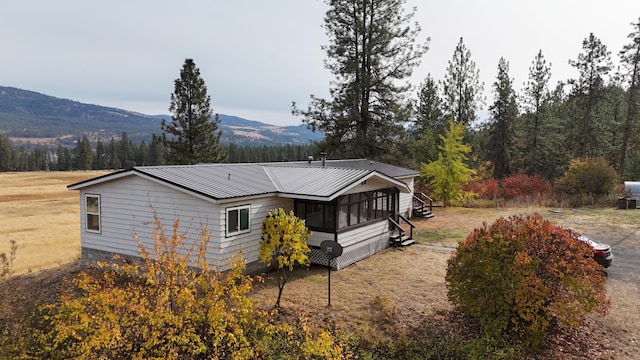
218 181
364 164
226 181
317 181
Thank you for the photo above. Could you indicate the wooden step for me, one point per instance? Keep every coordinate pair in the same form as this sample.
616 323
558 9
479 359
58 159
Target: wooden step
423 213
403 240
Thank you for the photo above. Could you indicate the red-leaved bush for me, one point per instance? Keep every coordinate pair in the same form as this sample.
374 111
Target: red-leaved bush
525 185
510 187
486 189
521 276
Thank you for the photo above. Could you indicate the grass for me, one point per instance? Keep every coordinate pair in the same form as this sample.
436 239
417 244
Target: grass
42 216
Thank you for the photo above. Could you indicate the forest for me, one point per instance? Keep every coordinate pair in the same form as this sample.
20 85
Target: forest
123 153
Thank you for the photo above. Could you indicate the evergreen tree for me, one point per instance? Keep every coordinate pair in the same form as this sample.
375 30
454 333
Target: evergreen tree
372 49
84 154
113 155
630 59
592 64
429 123
534 127
6 153
156 151
191 137
504 112
462 87
64 158
100 161
536 96
142 155
126 151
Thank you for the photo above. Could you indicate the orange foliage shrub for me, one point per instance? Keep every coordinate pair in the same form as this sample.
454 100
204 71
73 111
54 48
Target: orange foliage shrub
525 185
523 275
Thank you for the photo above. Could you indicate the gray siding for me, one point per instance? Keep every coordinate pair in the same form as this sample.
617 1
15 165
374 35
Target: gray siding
126 208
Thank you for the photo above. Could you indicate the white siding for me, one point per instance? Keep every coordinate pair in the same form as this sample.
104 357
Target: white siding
318 237
378 230
127 206
247 243
406 199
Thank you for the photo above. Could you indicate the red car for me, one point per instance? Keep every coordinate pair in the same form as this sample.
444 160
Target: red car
601 252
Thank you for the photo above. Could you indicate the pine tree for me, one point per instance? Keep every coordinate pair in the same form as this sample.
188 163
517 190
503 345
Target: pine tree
156 151
428 124
592 64
192 136
462 87
100 161
504 112
372 49
84 154
630 58
536 96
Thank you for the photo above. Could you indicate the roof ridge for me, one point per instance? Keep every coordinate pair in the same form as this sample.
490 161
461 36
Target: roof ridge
273 180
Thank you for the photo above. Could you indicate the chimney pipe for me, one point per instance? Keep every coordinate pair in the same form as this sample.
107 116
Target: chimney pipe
324 158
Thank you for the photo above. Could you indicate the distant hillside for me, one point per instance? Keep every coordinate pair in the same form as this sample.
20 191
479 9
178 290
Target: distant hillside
39 118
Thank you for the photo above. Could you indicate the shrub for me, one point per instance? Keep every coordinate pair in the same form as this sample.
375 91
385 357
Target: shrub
524 185
486 189
521 276
284 243
169 305
591 176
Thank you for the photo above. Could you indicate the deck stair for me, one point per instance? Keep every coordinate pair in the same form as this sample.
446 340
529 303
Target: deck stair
422 206
399 236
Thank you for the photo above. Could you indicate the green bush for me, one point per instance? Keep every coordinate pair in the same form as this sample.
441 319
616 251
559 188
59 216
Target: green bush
591 176
521 276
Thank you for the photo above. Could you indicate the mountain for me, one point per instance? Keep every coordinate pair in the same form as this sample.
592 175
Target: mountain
37 118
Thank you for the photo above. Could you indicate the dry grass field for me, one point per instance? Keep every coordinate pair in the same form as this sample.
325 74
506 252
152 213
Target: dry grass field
42 216
407 284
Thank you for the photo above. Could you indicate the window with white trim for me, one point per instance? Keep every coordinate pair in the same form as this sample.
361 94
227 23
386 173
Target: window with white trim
238 220
92 209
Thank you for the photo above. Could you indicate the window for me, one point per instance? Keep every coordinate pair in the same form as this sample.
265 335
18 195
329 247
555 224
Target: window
317 215
92 208
238 220
349 210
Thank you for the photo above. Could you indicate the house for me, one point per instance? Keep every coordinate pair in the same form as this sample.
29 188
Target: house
357 203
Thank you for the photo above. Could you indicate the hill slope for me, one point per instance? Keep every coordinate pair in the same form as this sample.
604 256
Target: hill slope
30 115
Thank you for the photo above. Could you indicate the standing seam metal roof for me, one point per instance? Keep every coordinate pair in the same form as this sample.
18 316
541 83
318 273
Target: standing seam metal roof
225 181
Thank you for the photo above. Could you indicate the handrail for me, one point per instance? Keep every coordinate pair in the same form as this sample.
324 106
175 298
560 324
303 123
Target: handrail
411 226
396 225
422 202
400 229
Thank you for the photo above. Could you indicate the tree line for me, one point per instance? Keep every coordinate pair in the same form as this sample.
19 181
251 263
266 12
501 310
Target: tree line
123 153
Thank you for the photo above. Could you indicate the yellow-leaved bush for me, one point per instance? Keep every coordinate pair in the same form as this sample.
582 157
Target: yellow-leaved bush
522 275
171 305
283 244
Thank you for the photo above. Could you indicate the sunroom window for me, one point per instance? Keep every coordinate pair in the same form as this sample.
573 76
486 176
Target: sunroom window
238 220
92 206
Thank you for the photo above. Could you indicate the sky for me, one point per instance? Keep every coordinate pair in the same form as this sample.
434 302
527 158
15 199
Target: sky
258 56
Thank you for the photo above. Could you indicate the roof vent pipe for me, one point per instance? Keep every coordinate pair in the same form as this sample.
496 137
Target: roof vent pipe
324 158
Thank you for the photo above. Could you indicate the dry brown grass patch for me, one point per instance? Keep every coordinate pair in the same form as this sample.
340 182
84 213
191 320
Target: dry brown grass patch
42 216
